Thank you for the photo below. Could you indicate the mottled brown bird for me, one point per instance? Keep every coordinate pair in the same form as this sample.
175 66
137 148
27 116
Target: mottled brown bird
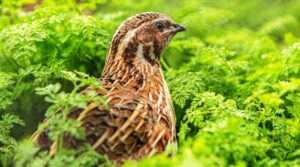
141 120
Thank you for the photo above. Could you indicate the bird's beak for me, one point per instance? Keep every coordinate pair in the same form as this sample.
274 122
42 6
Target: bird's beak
179 28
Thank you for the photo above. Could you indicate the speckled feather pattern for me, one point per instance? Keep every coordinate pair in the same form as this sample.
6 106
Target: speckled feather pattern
140 121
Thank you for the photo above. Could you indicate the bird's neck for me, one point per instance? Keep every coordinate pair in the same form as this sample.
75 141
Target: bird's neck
129 50
131 67
130 56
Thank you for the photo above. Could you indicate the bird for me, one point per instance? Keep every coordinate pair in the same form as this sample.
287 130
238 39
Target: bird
140 120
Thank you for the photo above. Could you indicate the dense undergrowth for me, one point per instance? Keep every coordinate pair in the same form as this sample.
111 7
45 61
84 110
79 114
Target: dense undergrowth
234 77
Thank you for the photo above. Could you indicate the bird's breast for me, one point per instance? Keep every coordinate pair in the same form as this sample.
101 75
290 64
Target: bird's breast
142 84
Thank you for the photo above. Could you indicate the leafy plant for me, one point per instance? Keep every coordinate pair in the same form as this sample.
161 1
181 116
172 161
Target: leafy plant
234 79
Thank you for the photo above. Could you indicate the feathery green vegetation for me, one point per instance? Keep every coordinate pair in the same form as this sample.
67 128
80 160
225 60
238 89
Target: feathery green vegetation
234 78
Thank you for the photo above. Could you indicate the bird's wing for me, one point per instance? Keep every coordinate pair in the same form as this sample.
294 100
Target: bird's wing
119 132
40 137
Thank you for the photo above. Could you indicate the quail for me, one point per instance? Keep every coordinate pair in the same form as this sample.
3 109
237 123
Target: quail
140 120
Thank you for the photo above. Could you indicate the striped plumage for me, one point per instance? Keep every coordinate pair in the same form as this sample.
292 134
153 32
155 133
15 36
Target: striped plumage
141 118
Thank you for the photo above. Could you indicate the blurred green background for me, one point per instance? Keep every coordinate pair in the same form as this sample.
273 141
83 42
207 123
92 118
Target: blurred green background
233 75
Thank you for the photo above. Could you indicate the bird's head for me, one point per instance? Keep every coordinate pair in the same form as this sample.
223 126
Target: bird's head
143 37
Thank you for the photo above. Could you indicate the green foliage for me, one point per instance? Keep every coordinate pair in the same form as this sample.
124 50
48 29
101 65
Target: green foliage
59 125
7 143
5 89
7 121
37 48
29 155
234 78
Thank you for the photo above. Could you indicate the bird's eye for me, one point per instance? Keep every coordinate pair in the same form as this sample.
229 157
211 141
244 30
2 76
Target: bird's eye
159 26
